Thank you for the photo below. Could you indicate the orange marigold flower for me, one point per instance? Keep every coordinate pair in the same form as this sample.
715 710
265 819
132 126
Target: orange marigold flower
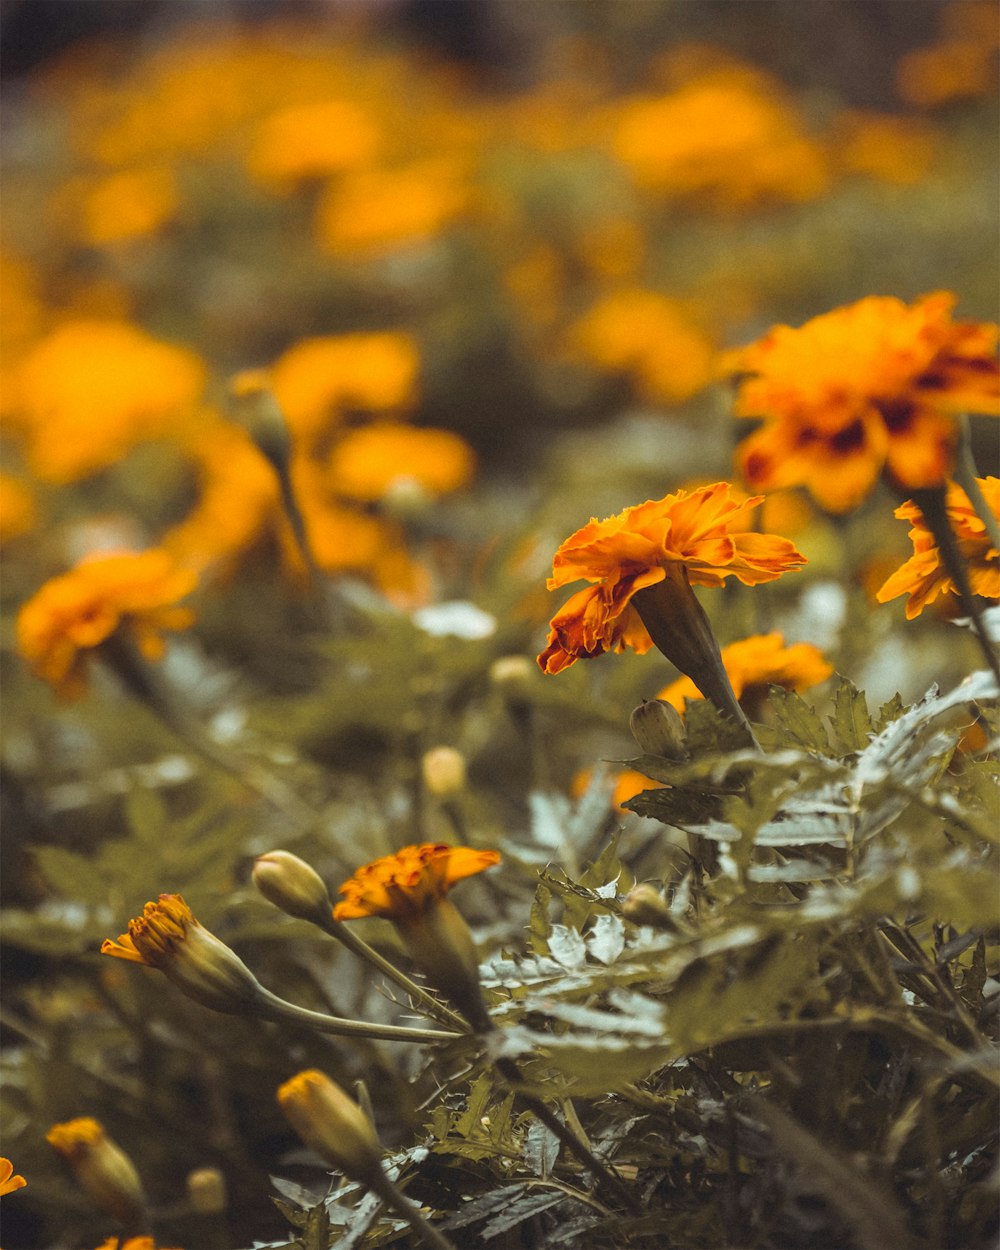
134 594
924 576
403 885
8 1180
167 936
757 662
627 784
869 387
701 537
132 1243
304 141
368 462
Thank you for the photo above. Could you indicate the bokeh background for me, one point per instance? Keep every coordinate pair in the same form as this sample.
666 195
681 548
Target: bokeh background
488 253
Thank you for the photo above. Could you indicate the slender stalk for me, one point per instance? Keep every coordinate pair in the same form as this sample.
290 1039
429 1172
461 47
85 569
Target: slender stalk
269 1006
965 476
395 1199
359 947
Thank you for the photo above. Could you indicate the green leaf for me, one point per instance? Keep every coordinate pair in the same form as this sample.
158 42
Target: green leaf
851 724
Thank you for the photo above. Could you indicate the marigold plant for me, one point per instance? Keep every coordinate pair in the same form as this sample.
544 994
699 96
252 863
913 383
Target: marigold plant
872 386
924 576
134 594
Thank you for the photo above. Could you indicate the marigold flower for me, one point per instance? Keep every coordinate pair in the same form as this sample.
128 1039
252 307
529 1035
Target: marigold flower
9 1181
924 576
101 1166
313 140
869 387
754 664
410 888
127 593
132 1243
167 936
18 513
688 538
366 463
331 1123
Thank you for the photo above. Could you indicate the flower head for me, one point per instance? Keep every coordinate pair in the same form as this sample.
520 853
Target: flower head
924 576
756 663
403 885
8 1180
702 535
167 936
131 1243
331 1123
869 387
101 1166
134 594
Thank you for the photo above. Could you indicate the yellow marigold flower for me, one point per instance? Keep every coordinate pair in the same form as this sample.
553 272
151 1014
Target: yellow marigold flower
651 337
134 594
869 387
367 462
9 1181
403 885
376 210
699 537
627 784
17 508
90 390
318 380
897 150
121 207
304 141
101 1166
924 576
167 936
331 1123
756 663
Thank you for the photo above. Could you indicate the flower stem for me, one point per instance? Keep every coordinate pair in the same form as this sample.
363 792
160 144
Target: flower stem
269 1006
359 947
395 1199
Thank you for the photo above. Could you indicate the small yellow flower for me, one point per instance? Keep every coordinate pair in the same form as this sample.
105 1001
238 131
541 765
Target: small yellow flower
8 1180
331 1123
101 1167
167 936
756 663
127 593
924 576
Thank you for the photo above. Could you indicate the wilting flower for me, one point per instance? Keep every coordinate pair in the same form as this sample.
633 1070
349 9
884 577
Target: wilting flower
130 594
331 1123
410 888
8 1180
167 936
101 1167
872 386
755 663
924 576
642 564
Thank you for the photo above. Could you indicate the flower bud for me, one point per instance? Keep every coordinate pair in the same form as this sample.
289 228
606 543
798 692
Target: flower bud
292 885
331 1123
644 904
440 944
102 1168
257 410
206 1191
443 769
513 675
658 729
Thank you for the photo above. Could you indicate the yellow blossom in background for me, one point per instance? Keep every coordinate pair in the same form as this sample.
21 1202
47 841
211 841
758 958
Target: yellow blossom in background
90 390
924 576
537 281
874 385
319 380
728 135
132 1243
24 313
116 208
135 594
613 247
961 65
375 210
627 784
651 337
307 141
18 512
9 1181
403 885
367 462
758 662
702 532
898 150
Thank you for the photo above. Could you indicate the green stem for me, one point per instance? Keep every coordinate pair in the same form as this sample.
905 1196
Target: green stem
398 1202
269 1006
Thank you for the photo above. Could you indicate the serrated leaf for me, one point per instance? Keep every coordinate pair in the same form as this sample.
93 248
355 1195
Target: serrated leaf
606 938
523 1209
799 721
567 946
851 723
541 1148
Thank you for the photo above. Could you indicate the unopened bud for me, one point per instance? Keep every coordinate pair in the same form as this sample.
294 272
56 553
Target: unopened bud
255 407
438 940
658 729
406 498
103 1169
331 1123
293 885
644 904
444 771
513 675
206 1191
